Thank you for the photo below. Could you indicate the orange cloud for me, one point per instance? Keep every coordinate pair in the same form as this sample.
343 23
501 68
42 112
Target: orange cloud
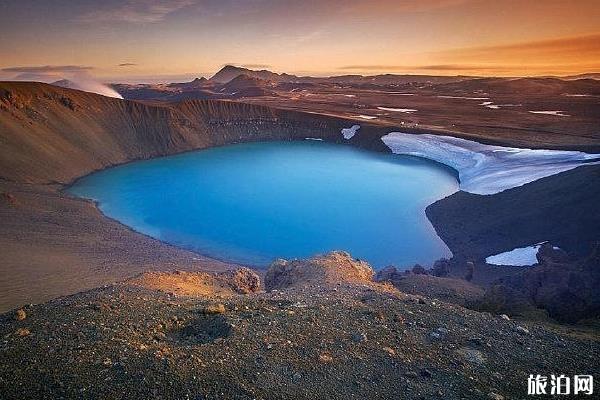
581 48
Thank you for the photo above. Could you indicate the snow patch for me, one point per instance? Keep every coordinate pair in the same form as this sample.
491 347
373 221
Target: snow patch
402 110
313 138
350 132
486 169
464 98
490 104
519 257
366 116
557 113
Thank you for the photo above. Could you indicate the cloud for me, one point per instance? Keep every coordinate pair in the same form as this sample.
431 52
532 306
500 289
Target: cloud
553 56
405 6
433 67
126 65
569 49
136 11
48 69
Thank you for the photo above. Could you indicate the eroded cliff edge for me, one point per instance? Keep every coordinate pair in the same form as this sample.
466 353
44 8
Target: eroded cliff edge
51 134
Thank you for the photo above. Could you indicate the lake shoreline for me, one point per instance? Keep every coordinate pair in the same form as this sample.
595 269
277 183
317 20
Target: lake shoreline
47 230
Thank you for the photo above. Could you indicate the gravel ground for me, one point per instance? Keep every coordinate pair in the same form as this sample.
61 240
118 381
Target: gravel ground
339 341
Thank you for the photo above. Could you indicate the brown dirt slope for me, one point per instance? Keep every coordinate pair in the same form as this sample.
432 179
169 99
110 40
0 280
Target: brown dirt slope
200 284
53 134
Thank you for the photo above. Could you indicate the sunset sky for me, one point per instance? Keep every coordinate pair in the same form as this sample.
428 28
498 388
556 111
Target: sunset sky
137 40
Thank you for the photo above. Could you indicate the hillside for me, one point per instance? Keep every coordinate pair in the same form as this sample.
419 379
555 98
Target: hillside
247 86
352 338
229 72
52 134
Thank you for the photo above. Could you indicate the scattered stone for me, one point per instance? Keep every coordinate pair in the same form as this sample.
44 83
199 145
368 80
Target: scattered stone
218 308
439 334
472 356
325 358
411 374
23 332
20 314
495 396
521 330
359 337
390 351
476 341
425 373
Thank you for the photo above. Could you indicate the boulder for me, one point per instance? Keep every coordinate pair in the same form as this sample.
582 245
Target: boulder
244 280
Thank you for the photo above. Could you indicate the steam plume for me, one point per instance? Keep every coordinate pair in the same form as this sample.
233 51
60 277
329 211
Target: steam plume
71 76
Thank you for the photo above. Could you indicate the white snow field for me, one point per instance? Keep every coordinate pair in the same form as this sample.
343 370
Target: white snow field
487 169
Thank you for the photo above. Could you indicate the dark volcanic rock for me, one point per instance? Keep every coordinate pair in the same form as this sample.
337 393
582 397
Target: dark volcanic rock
389 273
567 291
561 209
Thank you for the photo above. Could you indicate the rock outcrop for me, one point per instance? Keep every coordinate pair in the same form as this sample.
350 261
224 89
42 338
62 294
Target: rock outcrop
200 284
421 282
566 290
333 268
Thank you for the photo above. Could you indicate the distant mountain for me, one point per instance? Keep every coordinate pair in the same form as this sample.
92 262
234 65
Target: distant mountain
589 75
65 83
246 86
540 86
229 72
195 84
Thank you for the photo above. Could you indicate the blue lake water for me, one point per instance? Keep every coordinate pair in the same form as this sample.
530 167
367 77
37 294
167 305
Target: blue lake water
252 203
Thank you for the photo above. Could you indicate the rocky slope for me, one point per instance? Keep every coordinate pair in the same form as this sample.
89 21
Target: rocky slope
53 134
564 289
350 339
562 209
